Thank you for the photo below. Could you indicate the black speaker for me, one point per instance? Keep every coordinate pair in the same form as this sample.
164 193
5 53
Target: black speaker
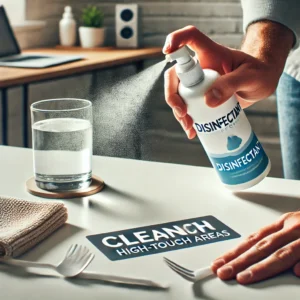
127 26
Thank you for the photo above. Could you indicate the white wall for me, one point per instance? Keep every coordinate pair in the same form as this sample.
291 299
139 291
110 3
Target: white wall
15 10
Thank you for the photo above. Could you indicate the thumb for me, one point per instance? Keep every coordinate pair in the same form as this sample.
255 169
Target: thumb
297 269
225 86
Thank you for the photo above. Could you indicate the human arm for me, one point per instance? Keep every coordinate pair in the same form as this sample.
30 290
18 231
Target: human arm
285 12
251 73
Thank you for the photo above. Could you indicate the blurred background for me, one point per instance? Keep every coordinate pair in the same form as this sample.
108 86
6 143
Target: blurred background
36 24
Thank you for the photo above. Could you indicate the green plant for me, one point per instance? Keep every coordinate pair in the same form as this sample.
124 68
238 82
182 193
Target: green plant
92 16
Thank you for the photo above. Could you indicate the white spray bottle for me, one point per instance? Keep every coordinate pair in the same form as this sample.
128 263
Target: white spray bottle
67 28
224 131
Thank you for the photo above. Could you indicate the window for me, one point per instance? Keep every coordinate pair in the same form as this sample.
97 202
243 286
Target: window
15 10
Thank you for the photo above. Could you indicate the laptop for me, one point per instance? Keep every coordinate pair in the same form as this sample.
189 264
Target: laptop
10 52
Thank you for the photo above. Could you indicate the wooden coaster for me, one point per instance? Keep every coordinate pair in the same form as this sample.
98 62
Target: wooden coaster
96 186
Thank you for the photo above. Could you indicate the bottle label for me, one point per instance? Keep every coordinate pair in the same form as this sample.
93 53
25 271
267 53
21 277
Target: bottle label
223 123
227 137
243 165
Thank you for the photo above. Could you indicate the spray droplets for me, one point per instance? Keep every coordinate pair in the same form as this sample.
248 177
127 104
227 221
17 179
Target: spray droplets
119 111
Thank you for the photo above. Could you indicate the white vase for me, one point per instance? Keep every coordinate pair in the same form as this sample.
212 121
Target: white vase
91 37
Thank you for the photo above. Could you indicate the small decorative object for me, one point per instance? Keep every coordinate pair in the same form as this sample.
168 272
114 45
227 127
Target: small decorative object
67 28
92 33
128 26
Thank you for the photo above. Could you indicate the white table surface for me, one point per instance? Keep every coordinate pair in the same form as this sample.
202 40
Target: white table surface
142 193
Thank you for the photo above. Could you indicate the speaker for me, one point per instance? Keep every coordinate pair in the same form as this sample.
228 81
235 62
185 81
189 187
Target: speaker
127 26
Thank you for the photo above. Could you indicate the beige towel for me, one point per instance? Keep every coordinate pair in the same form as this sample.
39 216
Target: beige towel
23 224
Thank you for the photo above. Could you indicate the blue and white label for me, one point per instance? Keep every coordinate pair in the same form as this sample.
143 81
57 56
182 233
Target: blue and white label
228 139
243 165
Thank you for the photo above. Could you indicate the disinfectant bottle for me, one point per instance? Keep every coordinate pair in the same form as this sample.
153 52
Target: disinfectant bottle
224 131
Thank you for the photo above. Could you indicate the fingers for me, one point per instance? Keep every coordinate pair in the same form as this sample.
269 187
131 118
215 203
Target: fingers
186 123
256 253
278 262
227 85
297 269
245 103
171 95
176 103
209 54
191 134
247 244
190 36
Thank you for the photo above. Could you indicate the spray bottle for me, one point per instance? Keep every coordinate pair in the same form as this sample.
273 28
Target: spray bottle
224 131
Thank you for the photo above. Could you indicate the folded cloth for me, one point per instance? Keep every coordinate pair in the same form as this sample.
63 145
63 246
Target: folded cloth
23 224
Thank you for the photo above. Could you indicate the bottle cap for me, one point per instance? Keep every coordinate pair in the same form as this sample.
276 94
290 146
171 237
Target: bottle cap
68 12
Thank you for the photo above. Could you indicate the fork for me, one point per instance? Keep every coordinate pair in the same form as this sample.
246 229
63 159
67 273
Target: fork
187 274
75 261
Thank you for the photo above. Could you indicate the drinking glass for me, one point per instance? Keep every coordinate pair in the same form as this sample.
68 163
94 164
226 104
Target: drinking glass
62 143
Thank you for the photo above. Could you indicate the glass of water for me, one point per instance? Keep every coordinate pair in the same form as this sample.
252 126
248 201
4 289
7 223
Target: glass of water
62 143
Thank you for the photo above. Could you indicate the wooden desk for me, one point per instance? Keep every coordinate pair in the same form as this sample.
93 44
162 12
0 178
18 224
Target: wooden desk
95 59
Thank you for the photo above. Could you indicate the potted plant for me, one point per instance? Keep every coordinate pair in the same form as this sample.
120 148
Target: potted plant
92 33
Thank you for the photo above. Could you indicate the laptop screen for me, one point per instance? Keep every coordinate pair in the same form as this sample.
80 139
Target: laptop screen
8 43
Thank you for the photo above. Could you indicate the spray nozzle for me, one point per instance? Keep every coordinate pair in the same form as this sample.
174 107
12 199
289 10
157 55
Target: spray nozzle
182 56
187 68
168 58
68 9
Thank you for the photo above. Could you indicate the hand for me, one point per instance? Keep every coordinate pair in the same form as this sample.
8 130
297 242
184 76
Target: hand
266 253
250 78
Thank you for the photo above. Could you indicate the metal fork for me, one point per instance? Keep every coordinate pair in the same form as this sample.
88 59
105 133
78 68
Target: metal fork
187 274
75 261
